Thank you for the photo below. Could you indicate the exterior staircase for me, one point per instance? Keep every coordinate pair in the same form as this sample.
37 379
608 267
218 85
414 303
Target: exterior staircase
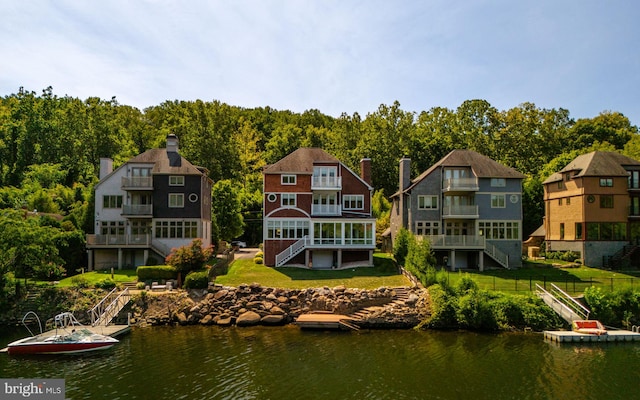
402 294
496 254
291 251
109 307
621 259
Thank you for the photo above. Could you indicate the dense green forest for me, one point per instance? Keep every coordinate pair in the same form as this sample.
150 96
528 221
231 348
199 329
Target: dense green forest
50 146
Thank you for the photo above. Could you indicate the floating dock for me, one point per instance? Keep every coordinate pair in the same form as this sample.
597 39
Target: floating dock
109 330
611 336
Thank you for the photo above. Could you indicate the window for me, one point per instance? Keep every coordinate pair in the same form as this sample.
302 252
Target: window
578 230
112 228
568 201
499 230
176 180
560 201
606 201
606 231
634 179
353 201
497 201
287 229
112 201
498 182
176 229
561 231
634 208
560 185
176 200
288 179
288 199
427 228
606 182
427 202
359 233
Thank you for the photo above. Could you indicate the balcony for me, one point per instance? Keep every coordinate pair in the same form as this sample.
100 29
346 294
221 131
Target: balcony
460 185
455 241
137 183
138 210
326 209
118 240
462 212
326 183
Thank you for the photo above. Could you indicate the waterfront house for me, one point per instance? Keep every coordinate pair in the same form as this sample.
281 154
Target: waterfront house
317 212
152 203
592 207
467 205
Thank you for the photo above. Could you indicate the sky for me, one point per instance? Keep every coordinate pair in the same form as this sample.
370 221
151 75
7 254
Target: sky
337 57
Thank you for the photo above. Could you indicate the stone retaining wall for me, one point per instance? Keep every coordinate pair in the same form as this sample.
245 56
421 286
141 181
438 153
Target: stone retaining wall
253 304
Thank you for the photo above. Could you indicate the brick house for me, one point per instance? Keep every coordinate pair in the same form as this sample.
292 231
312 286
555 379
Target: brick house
154 202
317 212
467 205
592 207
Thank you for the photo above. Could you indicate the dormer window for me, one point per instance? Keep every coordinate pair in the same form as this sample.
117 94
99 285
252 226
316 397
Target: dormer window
288 179
176 180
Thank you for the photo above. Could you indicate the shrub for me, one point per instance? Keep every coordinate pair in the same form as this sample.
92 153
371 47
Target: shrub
197 280
258 260
140 285
80 281
191 257
260 254
156 272
106 284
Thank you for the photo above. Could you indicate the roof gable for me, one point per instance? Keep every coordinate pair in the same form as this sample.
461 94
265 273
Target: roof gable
300 161
596 163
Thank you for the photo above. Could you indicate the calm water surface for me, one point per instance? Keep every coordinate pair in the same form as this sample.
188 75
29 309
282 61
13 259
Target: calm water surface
287 363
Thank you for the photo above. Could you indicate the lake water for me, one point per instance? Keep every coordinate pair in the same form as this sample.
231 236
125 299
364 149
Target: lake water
287 363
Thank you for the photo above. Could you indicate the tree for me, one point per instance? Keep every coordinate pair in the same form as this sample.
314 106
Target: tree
226 209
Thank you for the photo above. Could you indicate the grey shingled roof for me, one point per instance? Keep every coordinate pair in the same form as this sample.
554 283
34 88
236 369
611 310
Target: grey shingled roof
300 161
481 165
596 163
165 162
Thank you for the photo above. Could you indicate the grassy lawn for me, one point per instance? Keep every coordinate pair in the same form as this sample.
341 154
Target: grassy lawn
571 280
124 275
246 271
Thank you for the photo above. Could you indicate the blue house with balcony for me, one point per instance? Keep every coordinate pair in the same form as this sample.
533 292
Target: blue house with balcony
467 205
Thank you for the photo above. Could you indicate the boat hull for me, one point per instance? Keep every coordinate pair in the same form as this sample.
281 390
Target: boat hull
30 346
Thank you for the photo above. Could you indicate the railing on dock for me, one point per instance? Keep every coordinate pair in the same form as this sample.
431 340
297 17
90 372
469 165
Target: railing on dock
562 303
109 307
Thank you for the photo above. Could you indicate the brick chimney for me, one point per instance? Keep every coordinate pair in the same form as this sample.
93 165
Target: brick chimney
405 173
365 170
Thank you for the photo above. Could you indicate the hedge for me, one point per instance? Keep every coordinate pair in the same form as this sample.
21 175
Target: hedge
197 280
156 272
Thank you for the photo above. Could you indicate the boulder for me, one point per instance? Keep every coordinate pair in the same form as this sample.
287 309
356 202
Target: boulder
248 318
272 319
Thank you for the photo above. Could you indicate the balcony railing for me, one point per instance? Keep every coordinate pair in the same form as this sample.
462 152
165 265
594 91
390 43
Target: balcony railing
137 209
326 183
342 242
456 241
460 184
118 240
460 212
326 209
137 182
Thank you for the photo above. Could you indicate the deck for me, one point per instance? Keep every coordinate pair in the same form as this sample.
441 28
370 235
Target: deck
110 330
325 321
611 336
